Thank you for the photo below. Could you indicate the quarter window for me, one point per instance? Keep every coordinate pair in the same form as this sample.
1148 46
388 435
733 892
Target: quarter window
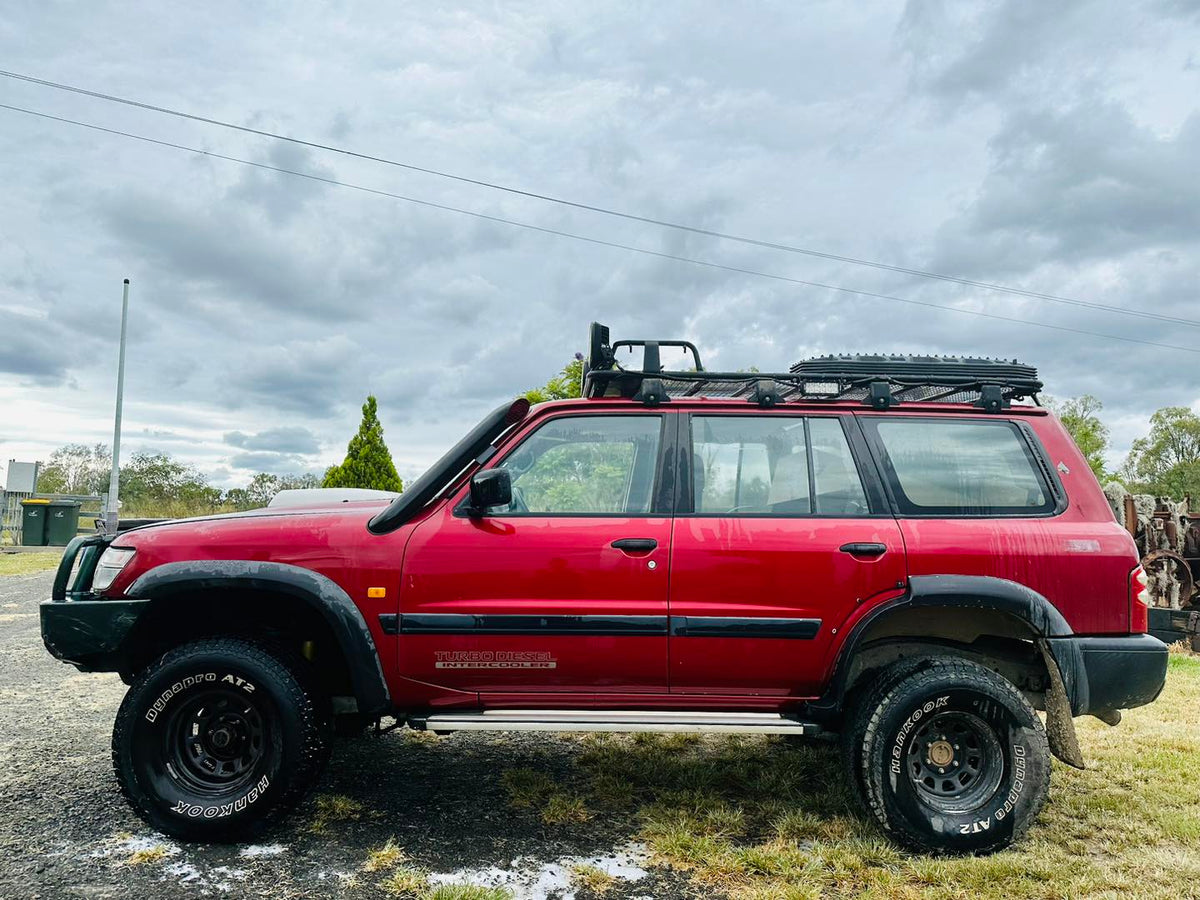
961 467
773 465
602 465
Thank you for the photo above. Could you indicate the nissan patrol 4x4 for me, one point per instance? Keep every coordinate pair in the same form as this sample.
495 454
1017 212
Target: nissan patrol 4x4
887 547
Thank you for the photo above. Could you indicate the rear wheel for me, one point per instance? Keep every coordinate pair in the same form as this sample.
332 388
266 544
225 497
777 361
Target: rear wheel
858 713
217 738
954 759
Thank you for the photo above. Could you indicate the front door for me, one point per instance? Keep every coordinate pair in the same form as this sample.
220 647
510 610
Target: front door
563 590
776 546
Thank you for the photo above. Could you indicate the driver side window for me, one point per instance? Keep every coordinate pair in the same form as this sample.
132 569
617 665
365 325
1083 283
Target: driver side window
598 465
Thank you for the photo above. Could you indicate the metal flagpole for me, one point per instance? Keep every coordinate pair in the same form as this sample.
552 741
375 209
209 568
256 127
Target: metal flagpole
114 479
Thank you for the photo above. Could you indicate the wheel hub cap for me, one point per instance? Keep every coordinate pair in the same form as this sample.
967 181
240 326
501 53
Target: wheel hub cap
941 753
955 761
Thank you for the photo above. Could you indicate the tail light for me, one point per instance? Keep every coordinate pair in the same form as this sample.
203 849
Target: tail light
1139 600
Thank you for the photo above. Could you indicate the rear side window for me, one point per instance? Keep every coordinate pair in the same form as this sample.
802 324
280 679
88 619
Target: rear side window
960 467
773 466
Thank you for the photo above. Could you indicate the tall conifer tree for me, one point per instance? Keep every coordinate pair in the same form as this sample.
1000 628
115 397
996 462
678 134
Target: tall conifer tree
368 464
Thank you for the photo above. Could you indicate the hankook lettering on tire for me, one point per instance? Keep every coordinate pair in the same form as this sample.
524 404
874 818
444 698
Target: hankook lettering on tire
193 811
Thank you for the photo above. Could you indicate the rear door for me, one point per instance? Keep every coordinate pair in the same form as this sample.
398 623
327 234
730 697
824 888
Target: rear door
777 539
563 590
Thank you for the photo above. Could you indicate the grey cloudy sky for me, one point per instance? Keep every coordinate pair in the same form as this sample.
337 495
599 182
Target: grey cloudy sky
1055 147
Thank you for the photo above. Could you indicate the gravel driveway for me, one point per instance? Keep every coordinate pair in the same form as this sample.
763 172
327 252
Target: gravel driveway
65 831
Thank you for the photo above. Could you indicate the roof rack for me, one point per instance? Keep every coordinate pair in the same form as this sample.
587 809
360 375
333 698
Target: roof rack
879 381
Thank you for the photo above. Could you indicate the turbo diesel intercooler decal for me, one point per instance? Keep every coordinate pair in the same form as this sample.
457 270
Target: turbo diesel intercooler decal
494 659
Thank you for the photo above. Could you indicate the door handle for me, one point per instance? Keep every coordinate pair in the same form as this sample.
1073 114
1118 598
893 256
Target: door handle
635 545
864 549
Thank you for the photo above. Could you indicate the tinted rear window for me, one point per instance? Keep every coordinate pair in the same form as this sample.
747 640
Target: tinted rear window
774 466
961 467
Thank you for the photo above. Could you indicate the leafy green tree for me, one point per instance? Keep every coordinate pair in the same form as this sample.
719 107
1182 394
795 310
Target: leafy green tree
566 385
262 489
238 498
368 464
1167 461
1081 417
264 486
155 484
76 469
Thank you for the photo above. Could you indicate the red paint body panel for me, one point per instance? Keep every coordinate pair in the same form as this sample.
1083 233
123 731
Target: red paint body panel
333 542
532 565
705 566
771 567
1080 567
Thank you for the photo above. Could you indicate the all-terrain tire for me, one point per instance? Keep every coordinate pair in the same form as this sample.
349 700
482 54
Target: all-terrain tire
858 711
954 759
218 738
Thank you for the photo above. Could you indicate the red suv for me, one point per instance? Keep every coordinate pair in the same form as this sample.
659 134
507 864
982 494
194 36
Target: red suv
885 547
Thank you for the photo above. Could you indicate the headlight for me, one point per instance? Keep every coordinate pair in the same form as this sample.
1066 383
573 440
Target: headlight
112 561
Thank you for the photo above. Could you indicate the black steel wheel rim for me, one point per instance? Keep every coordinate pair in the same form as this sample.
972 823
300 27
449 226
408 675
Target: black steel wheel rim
955 762
215 742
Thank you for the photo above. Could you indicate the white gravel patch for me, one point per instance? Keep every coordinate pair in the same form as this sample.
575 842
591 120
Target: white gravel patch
255 850
531 879
127 846
218 878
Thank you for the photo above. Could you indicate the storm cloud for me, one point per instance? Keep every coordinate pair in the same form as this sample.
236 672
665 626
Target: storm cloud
294 439
1048 146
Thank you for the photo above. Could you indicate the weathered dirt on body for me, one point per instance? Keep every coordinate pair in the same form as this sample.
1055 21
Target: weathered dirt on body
65 830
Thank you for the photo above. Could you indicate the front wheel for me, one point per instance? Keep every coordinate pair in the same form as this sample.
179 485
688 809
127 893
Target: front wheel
954 760
216 738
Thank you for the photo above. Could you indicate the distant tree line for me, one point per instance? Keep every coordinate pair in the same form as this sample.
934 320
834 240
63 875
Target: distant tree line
1165 462
156 484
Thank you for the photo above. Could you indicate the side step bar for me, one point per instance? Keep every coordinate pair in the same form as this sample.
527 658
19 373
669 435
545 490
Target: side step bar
611 720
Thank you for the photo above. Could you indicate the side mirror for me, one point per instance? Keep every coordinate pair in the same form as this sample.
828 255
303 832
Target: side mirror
492 487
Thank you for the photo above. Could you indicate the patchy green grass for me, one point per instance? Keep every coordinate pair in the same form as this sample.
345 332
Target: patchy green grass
531 789
467 892
383 858
146 855
527 787
404 881
593 879
563 808
758 817
332 809
28 563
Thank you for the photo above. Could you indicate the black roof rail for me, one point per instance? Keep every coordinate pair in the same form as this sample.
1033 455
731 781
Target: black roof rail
878 380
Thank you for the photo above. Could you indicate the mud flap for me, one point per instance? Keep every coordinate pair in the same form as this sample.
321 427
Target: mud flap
1060 727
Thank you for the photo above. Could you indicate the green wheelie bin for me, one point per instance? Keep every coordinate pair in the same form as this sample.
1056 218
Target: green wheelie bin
33 522
62 522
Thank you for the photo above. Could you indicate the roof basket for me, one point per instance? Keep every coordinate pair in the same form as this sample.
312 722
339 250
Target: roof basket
884 380
878 381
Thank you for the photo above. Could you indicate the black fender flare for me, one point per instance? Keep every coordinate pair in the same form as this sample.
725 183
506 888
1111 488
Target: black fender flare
974 592
318 592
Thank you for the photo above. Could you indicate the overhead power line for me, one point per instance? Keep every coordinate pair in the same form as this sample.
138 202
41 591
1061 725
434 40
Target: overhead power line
592 240
633 217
